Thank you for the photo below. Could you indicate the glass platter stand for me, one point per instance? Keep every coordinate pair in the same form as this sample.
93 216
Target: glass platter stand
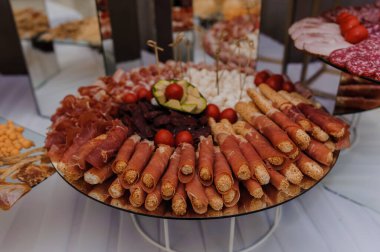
138 215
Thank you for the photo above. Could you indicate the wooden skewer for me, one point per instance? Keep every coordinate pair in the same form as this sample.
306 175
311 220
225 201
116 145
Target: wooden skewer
176 46
153 44
251 45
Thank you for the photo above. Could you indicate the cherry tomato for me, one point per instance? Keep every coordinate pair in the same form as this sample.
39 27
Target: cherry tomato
288 86
142 93
130 98
229 114
164 136
348 24
213 111
261 77
150 96
183 137
275 81
342 16
356 34
174 91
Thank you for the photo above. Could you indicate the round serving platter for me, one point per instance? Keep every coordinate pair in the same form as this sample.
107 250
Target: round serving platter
242 208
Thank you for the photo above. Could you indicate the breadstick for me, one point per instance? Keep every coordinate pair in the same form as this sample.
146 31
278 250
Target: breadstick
179 205
138 195
254 188
186 166
116 190
223 177
231 197
214 198
153 199
170 178
291 173
100 191
96 176
277 179
309 167
206 160
196 193
320 152
124 154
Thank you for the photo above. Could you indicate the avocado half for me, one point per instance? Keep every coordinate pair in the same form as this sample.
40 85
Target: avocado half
192 101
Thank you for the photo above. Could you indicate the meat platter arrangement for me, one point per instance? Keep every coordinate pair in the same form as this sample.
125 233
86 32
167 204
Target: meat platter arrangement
149 141
345 37
355 95
224 40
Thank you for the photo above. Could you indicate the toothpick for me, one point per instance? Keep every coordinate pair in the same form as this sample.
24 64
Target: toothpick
176 46
251 45
217 57
153 44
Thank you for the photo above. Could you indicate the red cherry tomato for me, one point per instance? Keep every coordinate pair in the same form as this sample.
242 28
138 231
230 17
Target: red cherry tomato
142 93
349 23
275 81
261 77
229 114
164 136
356 34
174 91
150 96
342 16
130 98
288 86
213 111
183 137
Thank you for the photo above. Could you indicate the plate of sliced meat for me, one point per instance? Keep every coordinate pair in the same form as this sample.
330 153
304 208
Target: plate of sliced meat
166 155
347 38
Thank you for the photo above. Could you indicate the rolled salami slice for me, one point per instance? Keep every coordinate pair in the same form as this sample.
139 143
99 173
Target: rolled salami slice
214 198
268 128
256 164
206 160
223 178
124 154
254 188
153 199
260 143
196 193
116 190
156 167
309 167
170 178
232 196
179 205
96 176
108 148
138 161
186 167
138 195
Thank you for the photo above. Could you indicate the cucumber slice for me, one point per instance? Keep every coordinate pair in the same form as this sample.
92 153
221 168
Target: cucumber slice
191 102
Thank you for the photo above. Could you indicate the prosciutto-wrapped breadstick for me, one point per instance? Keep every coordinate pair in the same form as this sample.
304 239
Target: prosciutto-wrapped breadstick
124 154
249 204
275 196
156 167
254 188
100 192
307 183
230 148
234 210
260 143
138 195
179 205
214 198
119 203
196 193
293 190
170 178
256 164
206 160
232 196
309 167
153 199
294 131
79 158
116 190
320 152
223 179
293 113
96 176
186 166
250 113
138 161
291 173
277 179
108 148
332 125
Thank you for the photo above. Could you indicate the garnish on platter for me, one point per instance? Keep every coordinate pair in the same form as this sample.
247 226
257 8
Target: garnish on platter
179 95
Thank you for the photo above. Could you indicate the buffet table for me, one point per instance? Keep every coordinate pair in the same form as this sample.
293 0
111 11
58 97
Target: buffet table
56 216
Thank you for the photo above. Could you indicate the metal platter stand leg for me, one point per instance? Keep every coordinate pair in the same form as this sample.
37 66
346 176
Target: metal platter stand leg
251 247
